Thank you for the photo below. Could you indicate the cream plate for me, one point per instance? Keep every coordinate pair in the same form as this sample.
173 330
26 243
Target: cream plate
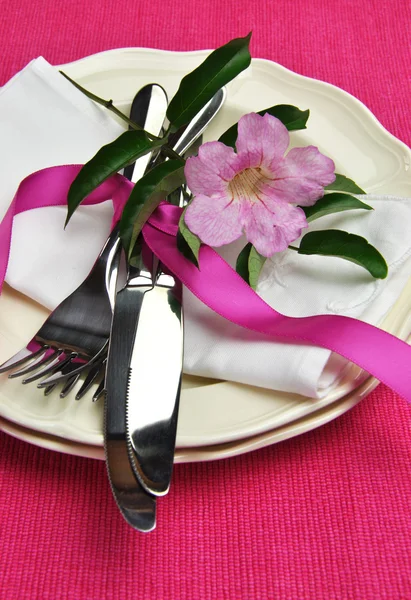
213 452
216 413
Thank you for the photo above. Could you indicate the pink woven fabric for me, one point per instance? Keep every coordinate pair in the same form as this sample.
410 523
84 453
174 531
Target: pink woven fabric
325 515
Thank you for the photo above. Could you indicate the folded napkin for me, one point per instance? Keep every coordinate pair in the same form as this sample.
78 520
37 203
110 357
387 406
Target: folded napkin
45 121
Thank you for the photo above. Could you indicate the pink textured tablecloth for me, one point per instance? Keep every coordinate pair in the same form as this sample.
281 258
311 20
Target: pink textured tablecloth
326 515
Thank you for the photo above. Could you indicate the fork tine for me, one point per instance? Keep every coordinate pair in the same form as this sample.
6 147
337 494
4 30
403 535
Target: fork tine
61 359
70 383
61 376
48 368
50 359
89 380
43 359
57 377
73 377
49 389
99 391
22 357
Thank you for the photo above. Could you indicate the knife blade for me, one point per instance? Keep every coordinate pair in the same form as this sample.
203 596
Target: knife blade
136 505
158 343
155 371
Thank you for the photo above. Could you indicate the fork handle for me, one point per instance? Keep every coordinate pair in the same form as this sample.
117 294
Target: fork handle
108 263
112 243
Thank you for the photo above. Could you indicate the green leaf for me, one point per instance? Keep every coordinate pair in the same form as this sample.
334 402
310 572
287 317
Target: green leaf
146 195
242 262
333 203
291 116
127 148
343 184
199 86
187 242
249 265
351 247
255 264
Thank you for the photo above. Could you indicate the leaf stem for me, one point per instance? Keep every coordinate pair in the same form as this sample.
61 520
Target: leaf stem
109 105
169 152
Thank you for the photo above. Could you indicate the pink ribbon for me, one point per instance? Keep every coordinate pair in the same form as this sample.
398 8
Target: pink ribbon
218 286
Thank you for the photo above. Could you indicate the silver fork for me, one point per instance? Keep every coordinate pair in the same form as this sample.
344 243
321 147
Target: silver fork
69 371
76 333
74 339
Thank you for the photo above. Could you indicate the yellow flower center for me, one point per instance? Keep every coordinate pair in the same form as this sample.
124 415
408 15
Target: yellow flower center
248 184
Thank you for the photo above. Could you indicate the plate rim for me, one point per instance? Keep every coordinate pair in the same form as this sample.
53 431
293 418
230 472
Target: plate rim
254 61
205 453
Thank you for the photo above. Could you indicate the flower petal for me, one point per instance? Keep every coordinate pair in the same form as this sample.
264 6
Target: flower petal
261 141
209 172
272 229
216 221
302 175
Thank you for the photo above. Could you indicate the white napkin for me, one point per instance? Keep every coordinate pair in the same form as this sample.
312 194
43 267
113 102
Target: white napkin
45 121
47 263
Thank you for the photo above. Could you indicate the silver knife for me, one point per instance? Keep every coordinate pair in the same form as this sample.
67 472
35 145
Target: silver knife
136 505
154 378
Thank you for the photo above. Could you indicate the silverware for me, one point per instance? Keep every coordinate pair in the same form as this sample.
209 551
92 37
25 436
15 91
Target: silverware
136 505
77 330
181 141
156 363
154 381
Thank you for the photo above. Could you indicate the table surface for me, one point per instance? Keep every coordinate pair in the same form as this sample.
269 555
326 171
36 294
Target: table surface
326 515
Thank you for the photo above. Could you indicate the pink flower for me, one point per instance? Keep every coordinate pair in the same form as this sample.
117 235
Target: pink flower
255 190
